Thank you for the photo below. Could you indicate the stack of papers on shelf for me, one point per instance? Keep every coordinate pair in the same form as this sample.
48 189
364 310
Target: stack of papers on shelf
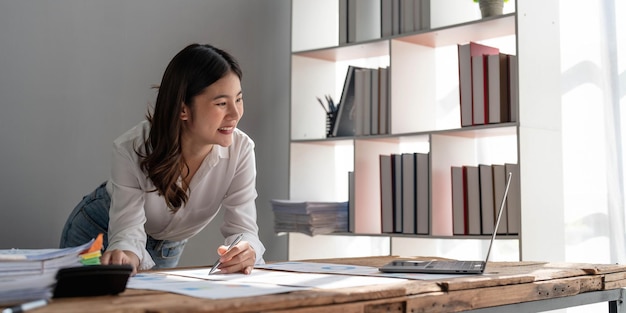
310 217
30 274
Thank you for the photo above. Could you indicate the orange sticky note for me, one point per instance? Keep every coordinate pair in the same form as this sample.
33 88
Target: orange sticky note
97 244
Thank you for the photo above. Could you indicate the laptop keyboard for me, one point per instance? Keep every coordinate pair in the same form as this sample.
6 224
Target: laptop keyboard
462 265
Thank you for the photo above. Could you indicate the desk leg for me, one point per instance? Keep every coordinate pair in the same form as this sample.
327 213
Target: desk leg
618 306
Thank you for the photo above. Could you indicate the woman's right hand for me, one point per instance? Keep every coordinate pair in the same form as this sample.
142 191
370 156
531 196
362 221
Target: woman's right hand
120 257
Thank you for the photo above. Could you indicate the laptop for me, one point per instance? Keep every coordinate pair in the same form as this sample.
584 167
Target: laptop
448 266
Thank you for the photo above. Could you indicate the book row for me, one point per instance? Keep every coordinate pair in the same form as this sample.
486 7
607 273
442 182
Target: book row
405 193
487 85
364 105
477 196
362 20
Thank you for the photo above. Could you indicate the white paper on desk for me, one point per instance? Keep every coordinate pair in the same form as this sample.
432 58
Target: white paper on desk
314 267
328 268
201 288
298 279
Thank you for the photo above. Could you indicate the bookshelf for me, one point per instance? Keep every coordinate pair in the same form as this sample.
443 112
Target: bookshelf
424 117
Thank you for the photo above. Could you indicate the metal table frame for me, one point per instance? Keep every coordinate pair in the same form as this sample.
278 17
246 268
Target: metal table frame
615 298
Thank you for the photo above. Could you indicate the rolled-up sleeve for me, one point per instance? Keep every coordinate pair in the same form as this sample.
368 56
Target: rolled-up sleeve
240 215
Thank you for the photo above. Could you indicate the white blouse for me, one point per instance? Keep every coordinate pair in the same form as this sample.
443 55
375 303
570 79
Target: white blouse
225 179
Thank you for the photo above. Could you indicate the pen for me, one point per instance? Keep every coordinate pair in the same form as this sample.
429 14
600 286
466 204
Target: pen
331 103
214 268
25 306
322 104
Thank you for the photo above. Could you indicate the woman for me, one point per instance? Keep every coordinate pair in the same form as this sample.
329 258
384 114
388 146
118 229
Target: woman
172 173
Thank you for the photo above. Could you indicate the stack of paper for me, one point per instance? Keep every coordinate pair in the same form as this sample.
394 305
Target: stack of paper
30 274
308 217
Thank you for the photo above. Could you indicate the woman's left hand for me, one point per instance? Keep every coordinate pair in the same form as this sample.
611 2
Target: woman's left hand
240 258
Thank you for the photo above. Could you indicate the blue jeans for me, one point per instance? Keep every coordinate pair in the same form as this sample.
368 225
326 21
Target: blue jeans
91 217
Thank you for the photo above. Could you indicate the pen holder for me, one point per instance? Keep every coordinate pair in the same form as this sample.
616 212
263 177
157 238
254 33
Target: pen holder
331 117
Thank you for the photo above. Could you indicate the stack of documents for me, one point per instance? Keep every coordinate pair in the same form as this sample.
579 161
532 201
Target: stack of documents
30 274
309 217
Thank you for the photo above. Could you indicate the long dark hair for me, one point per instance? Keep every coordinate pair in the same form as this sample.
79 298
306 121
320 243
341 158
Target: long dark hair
192 70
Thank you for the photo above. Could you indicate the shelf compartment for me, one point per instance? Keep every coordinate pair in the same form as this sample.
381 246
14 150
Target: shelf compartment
485 145
367 175
497 26
319 170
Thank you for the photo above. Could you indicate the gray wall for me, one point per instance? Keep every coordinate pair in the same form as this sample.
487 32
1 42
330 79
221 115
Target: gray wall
75 74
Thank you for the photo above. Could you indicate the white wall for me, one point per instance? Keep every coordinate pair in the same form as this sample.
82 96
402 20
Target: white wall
75 74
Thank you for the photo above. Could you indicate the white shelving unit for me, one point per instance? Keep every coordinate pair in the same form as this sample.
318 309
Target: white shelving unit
425 117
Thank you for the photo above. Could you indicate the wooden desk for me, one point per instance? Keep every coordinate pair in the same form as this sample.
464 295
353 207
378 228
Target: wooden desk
508 287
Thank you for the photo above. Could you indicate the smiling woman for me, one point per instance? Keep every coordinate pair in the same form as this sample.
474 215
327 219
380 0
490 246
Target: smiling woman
174 171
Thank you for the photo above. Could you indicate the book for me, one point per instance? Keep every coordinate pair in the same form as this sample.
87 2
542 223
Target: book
374 101
361 102
395 17
499 184
459 226
513 88
386 18
480 105
409 193
364 20
396 166
514 200
367 101
465 54
343 21
386 193
421 16
345 122
498 87
487 208
383 114
472 198
407 11
422 180
351 207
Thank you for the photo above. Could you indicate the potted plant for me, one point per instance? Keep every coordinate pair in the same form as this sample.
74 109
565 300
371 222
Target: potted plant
490 7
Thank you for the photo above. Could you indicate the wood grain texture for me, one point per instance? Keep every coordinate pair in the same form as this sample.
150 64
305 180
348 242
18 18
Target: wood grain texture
504 283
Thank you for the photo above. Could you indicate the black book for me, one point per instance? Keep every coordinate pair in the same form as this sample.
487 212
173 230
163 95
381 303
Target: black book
345 122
